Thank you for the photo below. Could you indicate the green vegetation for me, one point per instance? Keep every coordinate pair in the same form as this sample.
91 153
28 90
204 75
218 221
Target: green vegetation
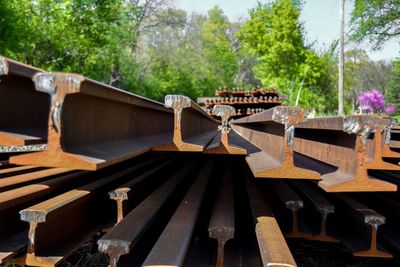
152 49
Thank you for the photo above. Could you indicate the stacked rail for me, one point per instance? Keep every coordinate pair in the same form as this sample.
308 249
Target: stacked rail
171 184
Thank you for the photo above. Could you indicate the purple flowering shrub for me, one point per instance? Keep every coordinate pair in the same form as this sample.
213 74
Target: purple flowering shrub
374 102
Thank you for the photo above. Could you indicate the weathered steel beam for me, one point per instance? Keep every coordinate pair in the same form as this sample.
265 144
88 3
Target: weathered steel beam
79 213
170 248
112 125
223 146
122 237
294 203
125 192
193 127
325 139
273 248
369 217
272 131
322 205
13 234
222 222
24 111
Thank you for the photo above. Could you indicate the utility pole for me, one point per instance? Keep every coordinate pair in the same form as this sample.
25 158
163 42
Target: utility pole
341 58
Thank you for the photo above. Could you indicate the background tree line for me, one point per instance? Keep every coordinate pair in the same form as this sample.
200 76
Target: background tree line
151 48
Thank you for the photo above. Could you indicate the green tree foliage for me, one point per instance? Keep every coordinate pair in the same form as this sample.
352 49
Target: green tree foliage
274 35
375 20
393 92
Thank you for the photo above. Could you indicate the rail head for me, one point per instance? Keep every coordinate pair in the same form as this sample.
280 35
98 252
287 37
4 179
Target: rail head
3 66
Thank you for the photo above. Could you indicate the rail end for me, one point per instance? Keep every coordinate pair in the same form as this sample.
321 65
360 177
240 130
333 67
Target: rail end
3 66
289 115
177 101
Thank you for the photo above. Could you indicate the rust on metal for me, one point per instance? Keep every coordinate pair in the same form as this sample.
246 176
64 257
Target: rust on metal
273 248
222 222
123 236
24 110
85 108
223 146
170 248
371 218
322 205
125 191
346 152
276 159
292 202
193 128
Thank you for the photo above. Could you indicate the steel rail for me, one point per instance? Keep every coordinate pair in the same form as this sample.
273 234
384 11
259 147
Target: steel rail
223 145
294 203
273 248
272 131
325 139
170 248
88 109
79 212
122 237
222 222
13 232
322 205
193 127
369 217
124 193
23 120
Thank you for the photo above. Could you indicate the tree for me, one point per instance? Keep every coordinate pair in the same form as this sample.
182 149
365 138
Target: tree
375 20
274 35
393 92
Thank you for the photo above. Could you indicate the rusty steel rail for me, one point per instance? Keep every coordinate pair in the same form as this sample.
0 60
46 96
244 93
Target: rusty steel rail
170 249
125 192
23 120
122 237
343 142
222 222
13 234
13 181
272 131
294 203
370 218
223 145
81 107
322 206
79 213
273 248
193 128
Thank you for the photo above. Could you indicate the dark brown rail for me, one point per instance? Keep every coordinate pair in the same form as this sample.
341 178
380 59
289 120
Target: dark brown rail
170 249
193 127
222 222
123 236
272 131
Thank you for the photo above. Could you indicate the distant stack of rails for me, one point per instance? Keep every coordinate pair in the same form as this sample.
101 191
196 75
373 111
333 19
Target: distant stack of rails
245 102
168 184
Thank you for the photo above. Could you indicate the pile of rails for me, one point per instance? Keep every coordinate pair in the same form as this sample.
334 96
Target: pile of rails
81 157
245 102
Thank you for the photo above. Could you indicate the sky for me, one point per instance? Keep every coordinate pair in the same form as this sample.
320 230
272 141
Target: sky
320 18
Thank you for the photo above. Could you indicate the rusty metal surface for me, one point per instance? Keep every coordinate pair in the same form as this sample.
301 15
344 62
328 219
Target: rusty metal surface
273 248
322 205
222 222
193 128
272 131
223 145
294 203
372 219
23 120
343 142
122 237
85 108
170 249
79 212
